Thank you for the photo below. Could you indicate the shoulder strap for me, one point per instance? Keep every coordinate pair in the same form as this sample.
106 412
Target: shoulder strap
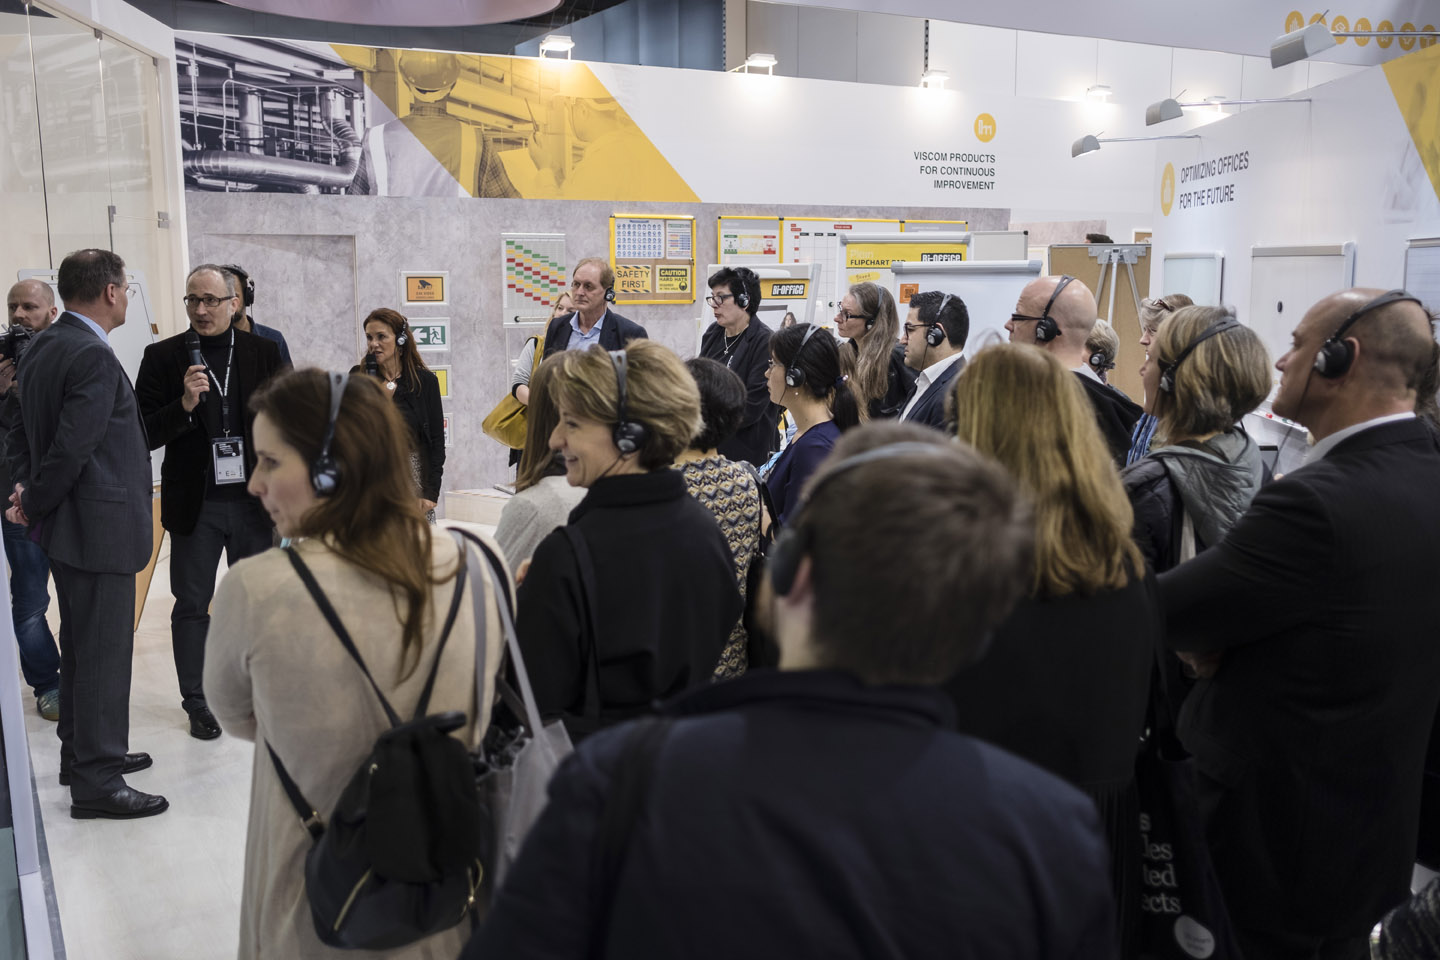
589 596
460 579
766 503
623 805
309 817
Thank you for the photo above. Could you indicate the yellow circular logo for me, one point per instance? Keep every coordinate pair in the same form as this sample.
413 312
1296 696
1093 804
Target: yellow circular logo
1363 26
1384 26
984 128
1340 25
1318 18
1427 41
1294 21
1408 43
1167 189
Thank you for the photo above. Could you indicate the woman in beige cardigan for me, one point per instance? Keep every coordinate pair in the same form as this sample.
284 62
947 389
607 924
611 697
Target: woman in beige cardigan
276 673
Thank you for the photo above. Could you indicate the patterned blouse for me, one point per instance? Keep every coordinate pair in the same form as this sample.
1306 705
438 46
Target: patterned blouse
728 489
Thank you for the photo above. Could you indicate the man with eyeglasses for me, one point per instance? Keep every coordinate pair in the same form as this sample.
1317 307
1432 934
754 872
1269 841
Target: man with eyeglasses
1057 314
739 340
194 390
77 456
934 335
592 290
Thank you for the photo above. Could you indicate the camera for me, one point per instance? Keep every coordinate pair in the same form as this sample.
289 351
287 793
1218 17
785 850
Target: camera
14 341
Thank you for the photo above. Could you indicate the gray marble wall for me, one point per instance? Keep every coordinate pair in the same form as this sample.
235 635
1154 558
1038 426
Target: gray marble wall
321 263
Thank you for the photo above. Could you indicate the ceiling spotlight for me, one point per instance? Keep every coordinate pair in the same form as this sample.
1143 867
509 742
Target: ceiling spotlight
1172 109
1100 91
934 79
557 43
758 61
1306 42
1090 143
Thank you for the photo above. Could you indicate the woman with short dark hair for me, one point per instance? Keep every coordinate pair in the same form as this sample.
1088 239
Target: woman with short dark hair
741 342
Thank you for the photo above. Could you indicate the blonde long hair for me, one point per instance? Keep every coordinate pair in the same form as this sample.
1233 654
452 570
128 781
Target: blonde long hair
1019 405
872 366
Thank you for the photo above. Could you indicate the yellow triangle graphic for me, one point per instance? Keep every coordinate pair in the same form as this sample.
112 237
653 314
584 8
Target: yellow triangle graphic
1415 82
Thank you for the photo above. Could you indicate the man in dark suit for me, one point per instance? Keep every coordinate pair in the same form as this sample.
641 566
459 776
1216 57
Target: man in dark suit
592 290
199 413
77 455
1313 623
934 335
1057 314
739 340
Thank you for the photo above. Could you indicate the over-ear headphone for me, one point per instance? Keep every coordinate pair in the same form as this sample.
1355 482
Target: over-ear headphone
1046 329
629 435
743 277
794 376
247 286
1335 354
936 334
324 471
1098 362
1167 370
783 559
403 337
610 294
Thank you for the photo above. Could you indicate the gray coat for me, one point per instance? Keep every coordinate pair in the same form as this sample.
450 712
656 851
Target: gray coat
77 445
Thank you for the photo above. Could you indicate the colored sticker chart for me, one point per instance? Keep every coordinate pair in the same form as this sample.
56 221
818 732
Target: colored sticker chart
431 333
535 273
653 256
424 286
817 240
747 241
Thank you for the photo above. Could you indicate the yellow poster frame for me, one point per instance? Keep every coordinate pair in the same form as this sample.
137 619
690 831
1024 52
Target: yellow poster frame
654 262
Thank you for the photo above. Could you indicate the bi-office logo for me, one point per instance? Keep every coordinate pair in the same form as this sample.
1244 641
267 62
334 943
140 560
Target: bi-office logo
1339 23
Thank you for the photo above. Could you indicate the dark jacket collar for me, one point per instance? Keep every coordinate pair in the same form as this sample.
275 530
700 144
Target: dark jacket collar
822 689
1399 431
632 490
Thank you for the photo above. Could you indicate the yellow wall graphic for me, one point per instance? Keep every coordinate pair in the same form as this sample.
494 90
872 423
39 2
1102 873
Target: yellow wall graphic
1415 82
481 126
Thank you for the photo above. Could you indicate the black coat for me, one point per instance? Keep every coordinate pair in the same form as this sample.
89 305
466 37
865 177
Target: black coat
807 814
667 599
160 388
1310 739
424 413
1115 413
759 434
930 408
900 383
614 334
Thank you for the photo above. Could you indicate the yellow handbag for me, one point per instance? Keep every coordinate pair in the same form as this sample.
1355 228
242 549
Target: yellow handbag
506 423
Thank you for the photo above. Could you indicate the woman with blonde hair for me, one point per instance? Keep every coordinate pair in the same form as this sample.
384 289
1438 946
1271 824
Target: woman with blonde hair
277 673
868 318
1152 311
1066 680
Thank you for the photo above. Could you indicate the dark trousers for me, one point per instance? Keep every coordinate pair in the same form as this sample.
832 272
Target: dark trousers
29 600
97 638
240 529
1270 945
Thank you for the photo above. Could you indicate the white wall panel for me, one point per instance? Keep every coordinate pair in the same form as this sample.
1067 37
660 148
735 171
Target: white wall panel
1137 73
890 49
1053 67
827 44
1205 73
980 60
773 28
1261 80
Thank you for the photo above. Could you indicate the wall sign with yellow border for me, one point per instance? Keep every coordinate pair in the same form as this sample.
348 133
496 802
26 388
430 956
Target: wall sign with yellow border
653 256
424 286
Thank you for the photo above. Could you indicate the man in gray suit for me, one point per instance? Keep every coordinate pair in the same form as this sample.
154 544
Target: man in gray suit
81 468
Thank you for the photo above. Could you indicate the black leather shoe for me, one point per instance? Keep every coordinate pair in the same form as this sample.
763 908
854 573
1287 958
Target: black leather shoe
203 725
124 804
133 762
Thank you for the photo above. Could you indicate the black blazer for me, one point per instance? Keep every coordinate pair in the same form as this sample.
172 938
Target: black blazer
807 814
930 408
616 332
76 442
759 434
1310 739
1116 414
421 408
160 388
667 599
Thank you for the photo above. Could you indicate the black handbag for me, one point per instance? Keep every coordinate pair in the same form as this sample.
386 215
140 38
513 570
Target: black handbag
761 650
400 858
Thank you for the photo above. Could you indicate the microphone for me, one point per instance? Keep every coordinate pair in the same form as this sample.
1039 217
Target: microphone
372 366
192 343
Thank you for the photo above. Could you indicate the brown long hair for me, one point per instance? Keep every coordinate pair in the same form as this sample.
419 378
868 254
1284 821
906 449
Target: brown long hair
874 349
537 461
411 363
373 520
1019 405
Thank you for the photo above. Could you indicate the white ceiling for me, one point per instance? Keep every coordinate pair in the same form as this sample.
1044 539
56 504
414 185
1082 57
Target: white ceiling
404 13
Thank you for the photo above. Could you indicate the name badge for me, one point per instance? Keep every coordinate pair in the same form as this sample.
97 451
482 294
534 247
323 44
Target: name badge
229 453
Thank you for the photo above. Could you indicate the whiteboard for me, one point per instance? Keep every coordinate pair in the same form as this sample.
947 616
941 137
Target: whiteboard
1422 271
817 240
999 245
1287 281
747 241
989 288
1200 276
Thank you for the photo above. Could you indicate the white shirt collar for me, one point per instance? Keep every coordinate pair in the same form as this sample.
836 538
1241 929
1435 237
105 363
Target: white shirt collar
595 330
1323 447
927 377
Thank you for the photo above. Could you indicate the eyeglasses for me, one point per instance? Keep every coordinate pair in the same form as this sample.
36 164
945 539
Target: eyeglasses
716 299
191 301
847 315
1021 318
912 327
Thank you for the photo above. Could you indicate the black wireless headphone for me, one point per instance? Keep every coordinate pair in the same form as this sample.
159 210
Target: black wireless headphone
610 294
794 376
1046 329
247 286
744 276
629 435
1098 362
1335 355
783 560
403 338
324 471
1167 370
936 334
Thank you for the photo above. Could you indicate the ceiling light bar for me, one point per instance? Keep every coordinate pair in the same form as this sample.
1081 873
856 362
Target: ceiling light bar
1306 42
1090 143
557 43
1172 109
1100 91
934 79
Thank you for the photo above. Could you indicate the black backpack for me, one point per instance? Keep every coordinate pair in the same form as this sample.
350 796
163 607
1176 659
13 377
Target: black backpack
401 856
